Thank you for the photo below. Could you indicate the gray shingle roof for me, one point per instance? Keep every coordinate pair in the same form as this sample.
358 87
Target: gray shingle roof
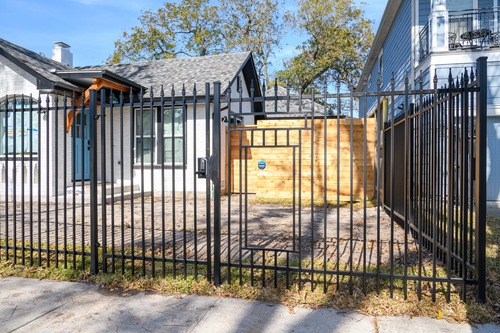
293 107
35 64
188 71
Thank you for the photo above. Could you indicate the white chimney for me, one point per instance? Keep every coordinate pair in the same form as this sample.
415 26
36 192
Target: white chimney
62 53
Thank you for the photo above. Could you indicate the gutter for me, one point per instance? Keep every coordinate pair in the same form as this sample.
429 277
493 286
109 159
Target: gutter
104 74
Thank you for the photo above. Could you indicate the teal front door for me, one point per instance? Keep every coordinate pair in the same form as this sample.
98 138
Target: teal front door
81 148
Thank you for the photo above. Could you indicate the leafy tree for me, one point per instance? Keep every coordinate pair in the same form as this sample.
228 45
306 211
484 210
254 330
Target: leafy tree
338 41
254 25
191 28
199 28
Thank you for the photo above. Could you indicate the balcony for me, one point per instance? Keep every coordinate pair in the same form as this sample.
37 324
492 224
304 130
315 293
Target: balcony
465 30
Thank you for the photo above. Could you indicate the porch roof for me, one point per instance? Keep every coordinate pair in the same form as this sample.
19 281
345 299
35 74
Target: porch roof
85 78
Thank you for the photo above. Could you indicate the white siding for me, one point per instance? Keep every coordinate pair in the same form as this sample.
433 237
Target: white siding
493 159
13 83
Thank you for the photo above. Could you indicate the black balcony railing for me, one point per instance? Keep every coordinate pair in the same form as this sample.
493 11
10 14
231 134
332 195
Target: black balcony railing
475 29
424 48
467 30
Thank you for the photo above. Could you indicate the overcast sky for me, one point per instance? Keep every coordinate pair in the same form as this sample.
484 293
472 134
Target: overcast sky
92 26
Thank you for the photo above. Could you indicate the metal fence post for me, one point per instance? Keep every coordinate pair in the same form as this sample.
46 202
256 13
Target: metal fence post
481 113
208 194
94 259
103 182
215 166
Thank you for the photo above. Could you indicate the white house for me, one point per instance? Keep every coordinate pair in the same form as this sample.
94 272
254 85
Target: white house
424 38
44 138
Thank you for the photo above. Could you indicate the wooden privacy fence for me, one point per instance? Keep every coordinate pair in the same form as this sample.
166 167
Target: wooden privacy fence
273 158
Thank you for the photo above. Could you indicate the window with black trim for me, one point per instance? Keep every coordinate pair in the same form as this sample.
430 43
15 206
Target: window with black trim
158 140
18 125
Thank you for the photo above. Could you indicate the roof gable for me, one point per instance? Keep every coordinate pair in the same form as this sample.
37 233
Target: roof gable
26 62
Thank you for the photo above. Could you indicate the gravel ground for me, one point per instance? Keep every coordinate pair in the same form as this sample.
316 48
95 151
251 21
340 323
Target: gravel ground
146 223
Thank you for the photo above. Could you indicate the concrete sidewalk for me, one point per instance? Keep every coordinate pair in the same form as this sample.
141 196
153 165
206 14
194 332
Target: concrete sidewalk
29 305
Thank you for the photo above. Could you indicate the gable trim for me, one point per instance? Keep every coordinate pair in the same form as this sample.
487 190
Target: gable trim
25 71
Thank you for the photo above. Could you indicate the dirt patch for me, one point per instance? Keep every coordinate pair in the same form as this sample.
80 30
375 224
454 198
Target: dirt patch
179 225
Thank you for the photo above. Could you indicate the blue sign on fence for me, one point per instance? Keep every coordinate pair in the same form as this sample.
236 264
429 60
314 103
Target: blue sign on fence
262 165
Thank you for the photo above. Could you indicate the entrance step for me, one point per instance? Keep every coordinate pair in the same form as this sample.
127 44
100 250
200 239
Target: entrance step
112 192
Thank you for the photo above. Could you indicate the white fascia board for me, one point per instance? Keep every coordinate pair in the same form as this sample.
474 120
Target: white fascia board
458 57
493 110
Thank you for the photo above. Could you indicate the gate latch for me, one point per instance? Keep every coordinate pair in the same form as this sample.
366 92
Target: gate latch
202 167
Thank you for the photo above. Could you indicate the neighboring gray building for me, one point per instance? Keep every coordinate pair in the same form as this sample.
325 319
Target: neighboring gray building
283 103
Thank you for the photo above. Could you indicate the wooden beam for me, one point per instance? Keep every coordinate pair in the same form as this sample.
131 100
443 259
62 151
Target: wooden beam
103 83
99 83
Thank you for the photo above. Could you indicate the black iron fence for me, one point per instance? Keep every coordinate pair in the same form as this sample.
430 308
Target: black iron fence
105 185
434 173
276 190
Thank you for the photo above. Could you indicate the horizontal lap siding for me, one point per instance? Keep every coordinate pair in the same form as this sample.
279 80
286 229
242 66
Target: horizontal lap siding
493 132
397 52
443 71
493 159
396 58
494 83
424 9
397 48
13 83
128 139
485 4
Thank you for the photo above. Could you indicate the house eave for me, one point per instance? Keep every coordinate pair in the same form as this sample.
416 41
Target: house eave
43 84
84 78
249 71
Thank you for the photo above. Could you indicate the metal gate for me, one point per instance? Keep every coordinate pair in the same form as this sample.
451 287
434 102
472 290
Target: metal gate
276 190
165 219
